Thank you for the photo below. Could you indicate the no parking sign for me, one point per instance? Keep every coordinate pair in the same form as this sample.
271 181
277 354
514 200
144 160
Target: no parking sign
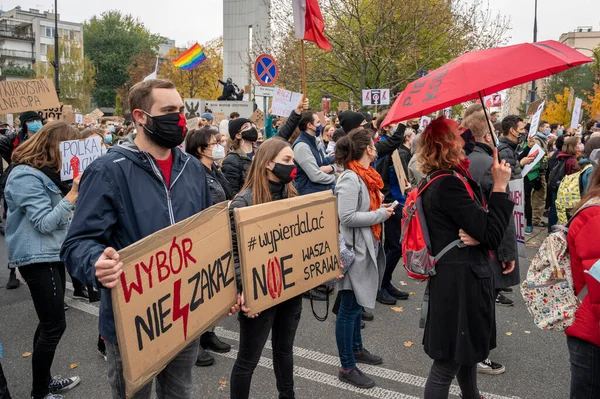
266 70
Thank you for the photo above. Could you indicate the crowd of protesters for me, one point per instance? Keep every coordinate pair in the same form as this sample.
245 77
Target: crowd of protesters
55 228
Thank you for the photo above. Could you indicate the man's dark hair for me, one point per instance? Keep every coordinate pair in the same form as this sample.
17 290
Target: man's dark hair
553 126
305 119
560 141
494 113
234 115
511 121
140 95
542 123
590 124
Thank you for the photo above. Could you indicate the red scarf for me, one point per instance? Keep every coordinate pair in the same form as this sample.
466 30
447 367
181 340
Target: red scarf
374 184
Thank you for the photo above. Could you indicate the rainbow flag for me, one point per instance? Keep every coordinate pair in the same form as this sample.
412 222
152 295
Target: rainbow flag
190 59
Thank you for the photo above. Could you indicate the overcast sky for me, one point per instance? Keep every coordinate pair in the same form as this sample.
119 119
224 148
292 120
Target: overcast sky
202 20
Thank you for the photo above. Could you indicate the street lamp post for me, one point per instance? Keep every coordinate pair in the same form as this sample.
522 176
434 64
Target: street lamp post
56 56
534 40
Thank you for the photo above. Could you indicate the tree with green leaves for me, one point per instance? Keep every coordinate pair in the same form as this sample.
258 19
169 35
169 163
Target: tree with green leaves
111 41
76 74
580 78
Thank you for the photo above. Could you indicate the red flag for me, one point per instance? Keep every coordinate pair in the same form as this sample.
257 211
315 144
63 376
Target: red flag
309 24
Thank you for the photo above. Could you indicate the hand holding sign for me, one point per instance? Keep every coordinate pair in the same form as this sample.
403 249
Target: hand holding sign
108 268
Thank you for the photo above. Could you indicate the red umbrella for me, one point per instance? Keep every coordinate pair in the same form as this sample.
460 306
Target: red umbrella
480 73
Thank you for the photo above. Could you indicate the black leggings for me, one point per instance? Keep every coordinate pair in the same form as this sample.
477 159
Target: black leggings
441 375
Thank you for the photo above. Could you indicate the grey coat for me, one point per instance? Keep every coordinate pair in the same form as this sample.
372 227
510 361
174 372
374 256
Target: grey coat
365 275
481 170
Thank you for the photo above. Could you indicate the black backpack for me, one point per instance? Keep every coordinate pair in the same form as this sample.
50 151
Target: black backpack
558 171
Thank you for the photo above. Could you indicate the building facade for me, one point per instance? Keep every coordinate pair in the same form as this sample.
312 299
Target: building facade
246 34
583 39
27 35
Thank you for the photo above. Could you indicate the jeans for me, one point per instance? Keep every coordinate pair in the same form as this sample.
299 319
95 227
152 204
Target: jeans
347 329
46 282
282 320
174 382
585 369
4 394
392 246
441 375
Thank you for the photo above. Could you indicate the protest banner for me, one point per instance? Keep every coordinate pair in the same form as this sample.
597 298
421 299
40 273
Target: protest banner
176 283
284 102
533 107
535 121
376 97
343 106
10 119
287 247
192 123
258 117
517 196
576 113
424 122
538 153
77 155
448 112
55 114
27 95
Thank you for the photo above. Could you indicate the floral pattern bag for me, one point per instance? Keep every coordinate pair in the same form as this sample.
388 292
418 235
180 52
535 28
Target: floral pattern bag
548 289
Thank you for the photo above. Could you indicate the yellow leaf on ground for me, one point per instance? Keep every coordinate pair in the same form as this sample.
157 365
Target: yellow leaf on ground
509 333
74 365
398 309
409 344
402 283
527 332
26 354
222 384
411 293
419 309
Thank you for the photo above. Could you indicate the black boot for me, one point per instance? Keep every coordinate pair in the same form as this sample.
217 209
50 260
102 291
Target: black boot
13 281
204 358
209 340
336 304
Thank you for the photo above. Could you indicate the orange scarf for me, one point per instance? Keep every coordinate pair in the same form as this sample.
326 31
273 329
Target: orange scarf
374 183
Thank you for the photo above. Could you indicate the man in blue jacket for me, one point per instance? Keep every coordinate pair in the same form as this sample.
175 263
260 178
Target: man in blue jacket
138 188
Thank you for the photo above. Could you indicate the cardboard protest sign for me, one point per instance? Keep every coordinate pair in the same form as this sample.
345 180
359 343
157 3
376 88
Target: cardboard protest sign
67 113
284 102
400 173
576 113
343 106
533 107
27 95
287 247
258 117
192 123
322 118
176 283
77 155
219 116
538 154
517 195
58 113
535 121
96 114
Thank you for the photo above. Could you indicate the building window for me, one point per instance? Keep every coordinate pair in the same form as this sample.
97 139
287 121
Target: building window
72 35
49 32
43 49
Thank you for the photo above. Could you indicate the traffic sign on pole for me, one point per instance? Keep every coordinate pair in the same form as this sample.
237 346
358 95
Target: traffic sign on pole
266 70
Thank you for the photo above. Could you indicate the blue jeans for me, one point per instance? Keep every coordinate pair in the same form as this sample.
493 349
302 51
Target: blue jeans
347 329
585 368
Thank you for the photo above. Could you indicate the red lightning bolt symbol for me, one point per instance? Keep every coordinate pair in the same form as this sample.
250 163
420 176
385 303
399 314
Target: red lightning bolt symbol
178 311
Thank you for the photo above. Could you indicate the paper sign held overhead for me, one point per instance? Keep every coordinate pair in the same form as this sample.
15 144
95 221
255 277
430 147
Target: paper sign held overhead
518 197
376 97
78 118
258 117
287 247
576 116
284 102
343 106
535 121
27 95
425 121
77 155
176 283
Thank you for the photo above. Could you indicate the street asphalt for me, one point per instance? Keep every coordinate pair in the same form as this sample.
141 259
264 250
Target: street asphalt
537 364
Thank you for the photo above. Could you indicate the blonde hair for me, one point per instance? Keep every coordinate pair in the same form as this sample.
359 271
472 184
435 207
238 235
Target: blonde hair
570 145
43 148
475 120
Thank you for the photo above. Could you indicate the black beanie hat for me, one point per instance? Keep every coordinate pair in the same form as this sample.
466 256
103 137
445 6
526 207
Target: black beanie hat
235 126
351 120
29 116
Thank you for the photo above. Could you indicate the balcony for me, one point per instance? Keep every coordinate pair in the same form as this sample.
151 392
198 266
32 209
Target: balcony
16 30
25 55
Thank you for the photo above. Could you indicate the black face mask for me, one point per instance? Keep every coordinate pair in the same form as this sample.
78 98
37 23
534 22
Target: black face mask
467 136
522 138
250 135
167 131
285 173
415 128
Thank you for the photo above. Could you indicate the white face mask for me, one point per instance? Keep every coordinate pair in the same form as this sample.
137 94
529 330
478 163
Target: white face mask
218 152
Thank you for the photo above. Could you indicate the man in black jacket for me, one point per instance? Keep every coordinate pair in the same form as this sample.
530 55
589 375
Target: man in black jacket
137 189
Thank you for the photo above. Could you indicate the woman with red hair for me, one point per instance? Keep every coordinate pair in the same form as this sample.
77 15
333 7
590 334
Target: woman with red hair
460 327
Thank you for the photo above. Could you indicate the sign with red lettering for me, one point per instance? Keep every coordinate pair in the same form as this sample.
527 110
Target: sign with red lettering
176 283
287 247
518 197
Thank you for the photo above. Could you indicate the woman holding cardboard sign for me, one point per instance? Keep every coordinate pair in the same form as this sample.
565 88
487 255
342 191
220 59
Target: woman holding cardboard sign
361 214
39 212
269 179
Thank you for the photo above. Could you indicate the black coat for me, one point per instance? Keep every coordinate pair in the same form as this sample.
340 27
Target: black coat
507 151
220 190
385 147
235 168
481 164
461 320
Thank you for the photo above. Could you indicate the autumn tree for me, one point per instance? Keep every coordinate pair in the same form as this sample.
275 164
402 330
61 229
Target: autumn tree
580 78
140 66
557 111
201 82
592 104
381 43
111 40
76 74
